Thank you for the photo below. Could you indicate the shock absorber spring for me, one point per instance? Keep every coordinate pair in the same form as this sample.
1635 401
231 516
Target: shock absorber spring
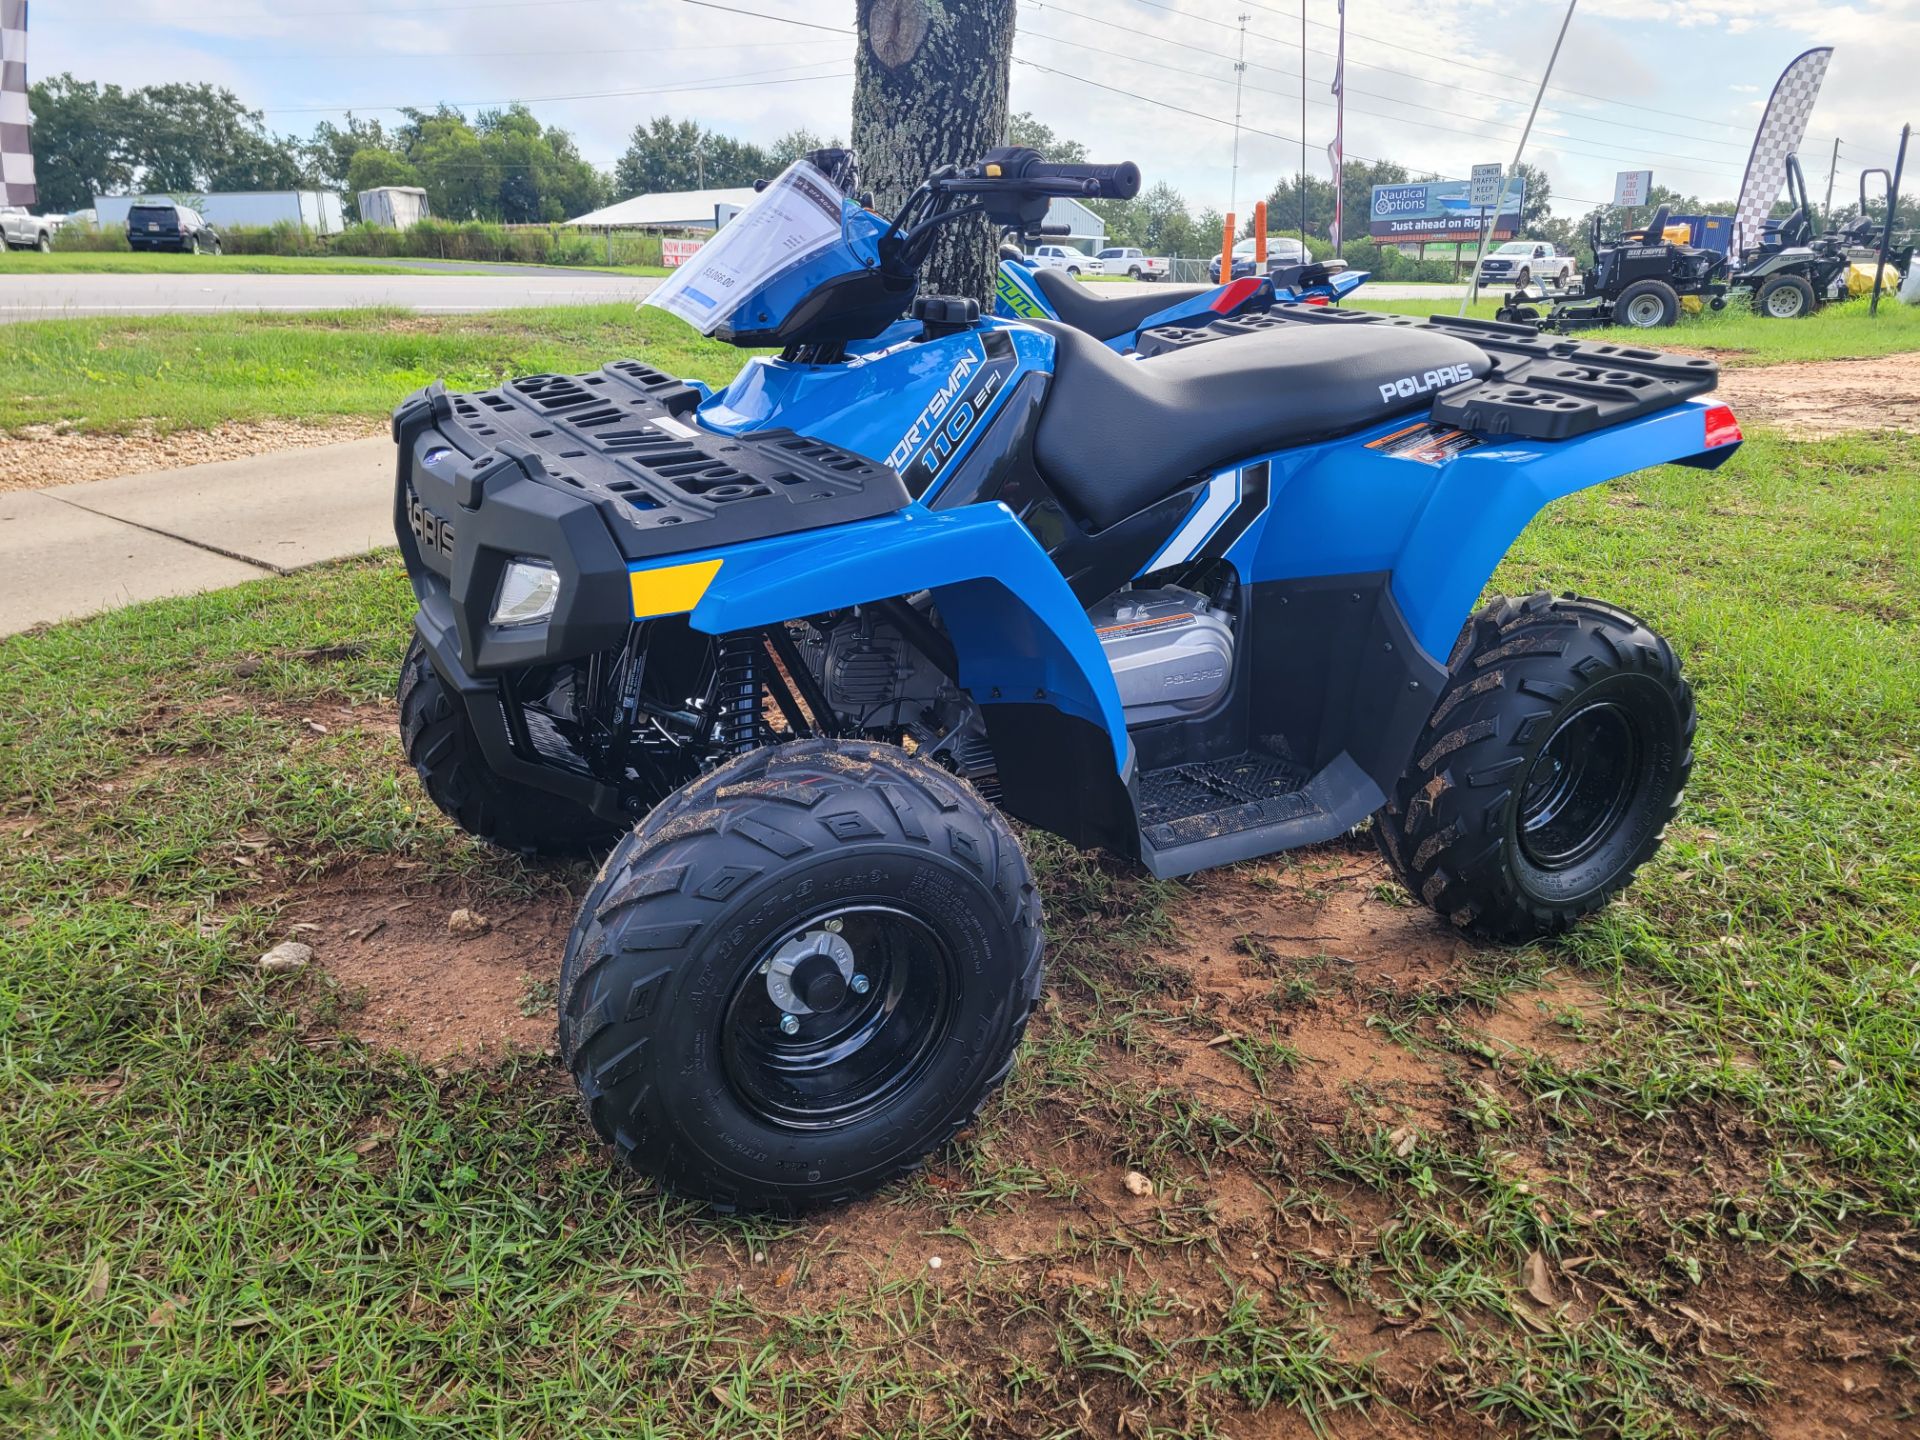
737 696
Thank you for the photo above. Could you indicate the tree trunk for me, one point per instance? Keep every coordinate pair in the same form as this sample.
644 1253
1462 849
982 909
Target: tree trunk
930 89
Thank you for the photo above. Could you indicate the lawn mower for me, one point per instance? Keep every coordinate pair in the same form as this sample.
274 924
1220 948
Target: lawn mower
1028 292
1644 279
790 653
1793 271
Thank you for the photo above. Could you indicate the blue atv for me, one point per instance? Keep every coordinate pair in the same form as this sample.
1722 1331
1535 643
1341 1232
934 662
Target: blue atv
1131 322
794 651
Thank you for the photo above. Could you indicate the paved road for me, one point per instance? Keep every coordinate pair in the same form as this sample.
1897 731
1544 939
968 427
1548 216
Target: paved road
54 297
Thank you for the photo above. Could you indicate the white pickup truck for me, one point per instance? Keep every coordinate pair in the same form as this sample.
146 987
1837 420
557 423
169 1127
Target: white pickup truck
1132 262
1527 262
1063 257
22 231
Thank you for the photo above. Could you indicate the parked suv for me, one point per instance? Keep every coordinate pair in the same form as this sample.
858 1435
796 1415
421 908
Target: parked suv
1282 251
163 225
21 231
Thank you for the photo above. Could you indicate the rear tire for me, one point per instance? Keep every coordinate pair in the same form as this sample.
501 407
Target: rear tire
1647 305
445 753
908 897
1549 769
1785 297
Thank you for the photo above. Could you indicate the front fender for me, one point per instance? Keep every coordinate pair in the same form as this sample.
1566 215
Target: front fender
1019 633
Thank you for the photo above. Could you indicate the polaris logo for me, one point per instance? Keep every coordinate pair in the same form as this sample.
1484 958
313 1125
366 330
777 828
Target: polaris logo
1409 386
434 534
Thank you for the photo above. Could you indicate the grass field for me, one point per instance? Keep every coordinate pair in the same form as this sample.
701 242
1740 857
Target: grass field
31 262
82 262
180 372
1738 337
1661 1180
108 374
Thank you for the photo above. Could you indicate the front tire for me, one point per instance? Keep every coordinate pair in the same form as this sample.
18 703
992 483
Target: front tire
1549 769
1647 305
45 244
1785 297
803 973
445 753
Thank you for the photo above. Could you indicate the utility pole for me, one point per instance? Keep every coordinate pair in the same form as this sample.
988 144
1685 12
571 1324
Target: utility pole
1832 166
1239 80
1303 129
1519 151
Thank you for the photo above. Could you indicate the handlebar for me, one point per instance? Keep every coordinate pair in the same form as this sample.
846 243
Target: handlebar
1099 182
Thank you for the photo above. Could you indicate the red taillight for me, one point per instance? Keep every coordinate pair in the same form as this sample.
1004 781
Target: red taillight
1722 427
1316 300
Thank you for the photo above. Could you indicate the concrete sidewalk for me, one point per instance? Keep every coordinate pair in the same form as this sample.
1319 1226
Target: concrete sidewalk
79 549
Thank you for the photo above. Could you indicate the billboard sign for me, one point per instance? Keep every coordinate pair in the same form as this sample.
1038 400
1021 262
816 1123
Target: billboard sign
1631 189
1441 210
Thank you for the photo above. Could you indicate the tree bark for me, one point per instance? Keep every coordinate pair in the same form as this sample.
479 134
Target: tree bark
930 89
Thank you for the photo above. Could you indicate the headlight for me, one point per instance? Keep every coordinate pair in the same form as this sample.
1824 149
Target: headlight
527 593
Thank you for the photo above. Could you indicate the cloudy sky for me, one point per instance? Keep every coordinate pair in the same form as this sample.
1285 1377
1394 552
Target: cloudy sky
1642 84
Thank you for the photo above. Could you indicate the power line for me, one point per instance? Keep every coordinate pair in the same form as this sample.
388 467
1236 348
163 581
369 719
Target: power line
1450 60
1390 99
550 99
1449 86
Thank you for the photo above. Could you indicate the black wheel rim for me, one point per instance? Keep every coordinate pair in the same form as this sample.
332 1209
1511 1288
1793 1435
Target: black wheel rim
809 1069
1581 786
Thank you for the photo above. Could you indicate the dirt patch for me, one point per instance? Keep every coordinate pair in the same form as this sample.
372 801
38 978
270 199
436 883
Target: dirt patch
1827 397
411 983
38 456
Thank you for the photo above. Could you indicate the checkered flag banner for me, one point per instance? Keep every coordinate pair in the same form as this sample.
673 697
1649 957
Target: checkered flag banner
16 147
1782 129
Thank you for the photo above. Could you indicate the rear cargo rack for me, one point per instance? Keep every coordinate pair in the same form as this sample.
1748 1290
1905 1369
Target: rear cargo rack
1542 387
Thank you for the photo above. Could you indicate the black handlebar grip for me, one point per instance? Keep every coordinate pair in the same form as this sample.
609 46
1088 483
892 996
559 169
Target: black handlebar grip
1104 182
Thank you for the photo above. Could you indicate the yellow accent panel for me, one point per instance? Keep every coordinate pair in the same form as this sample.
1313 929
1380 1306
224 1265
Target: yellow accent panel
671 589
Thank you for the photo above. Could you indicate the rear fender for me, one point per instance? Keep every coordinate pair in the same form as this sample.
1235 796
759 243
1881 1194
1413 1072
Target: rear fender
1019 634
1487 496
1440 529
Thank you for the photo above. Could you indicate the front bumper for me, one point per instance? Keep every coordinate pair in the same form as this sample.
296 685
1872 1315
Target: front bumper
596 476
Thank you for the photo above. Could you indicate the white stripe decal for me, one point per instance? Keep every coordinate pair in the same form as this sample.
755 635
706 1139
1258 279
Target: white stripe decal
1223 493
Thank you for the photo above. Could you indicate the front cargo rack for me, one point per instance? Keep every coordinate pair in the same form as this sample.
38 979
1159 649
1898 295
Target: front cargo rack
625 439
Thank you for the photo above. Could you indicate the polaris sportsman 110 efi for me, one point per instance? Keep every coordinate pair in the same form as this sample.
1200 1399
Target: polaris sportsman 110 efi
792 649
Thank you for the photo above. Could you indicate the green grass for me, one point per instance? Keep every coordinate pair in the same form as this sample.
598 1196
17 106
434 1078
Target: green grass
81 262
221 1214
112 262
184 372
1836 332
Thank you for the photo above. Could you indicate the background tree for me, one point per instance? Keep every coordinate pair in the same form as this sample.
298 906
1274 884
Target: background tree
930 89
1023 129
330 150
79 128
664 154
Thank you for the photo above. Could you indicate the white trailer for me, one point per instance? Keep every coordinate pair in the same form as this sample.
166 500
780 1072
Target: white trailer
398 207
317 211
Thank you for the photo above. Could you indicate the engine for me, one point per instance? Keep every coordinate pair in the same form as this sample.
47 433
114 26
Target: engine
1171 652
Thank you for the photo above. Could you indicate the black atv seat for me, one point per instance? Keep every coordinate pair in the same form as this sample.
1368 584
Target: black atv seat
1118 434
1104 318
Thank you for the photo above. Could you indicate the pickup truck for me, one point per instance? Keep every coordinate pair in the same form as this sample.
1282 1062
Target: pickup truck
1527 262
1130 261
22 231
1063 257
